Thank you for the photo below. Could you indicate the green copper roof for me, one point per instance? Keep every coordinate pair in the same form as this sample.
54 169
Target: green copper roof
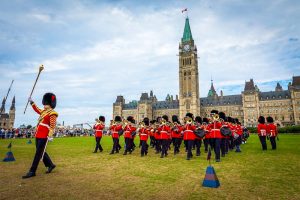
187 34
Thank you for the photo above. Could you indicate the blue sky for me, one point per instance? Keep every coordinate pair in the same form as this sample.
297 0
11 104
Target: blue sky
96 50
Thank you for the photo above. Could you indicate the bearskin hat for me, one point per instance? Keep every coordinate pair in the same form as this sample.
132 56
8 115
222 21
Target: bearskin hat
236 120
49 99
102 118
222 115
152 121
205 120
118 119
229 119
165 117
214 112
261 119
130 119
146 121
175 119
270 119
190 115
198 119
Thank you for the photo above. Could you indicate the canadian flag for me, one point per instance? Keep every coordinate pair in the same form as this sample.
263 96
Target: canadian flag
184 10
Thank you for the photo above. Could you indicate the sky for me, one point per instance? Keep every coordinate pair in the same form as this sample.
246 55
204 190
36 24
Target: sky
93 51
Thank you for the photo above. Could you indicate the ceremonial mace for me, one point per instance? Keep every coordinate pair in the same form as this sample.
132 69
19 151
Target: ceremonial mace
40 70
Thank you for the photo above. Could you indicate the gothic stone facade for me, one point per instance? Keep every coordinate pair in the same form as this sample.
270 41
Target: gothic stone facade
282 105
7 120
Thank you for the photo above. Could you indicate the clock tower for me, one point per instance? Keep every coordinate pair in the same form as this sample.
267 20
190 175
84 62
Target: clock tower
188 74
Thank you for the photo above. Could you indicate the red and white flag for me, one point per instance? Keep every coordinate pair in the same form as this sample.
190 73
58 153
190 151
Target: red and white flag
184 10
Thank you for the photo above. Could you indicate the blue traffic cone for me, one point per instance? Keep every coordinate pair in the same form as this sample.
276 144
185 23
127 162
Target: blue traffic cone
9 157
29 142
211 180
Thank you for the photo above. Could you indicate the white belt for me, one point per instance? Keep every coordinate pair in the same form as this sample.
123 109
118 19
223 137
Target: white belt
143 134
46 125
164 132
189 131
215 129
98 130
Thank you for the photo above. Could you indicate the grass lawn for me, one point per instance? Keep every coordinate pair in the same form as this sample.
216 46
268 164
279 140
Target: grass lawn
81 174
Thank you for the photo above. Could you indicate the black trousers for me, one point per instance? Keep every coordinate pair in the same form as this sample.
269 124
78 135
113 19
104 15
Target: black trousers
223 146
128 145
189 146
152 141
215 144
164 147
263 142
206 142
158 146
144 149
98 145
115 145
273 142
177 143
198 143
40 144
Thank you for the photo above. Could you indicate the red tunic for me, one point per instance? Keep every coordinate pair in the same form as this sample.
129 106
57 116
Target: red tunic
47 121
215 130
128 131
262 129
98 127
176 131
143 133
239 129
188 132
115 130
164 132
272 130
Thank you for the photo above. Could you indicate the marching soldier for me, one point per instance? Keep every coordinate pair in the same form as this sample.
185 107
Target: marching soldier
157 136
222 117
239 131
205 124
262 132
215 134
272 132
44 131
164 132
198 140
144 133
116 131
98 127
188 134
176 133
129 133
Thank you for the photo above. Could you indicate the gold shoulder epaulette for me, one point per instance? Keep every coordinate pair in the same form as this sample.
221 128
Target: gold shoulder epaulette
53 112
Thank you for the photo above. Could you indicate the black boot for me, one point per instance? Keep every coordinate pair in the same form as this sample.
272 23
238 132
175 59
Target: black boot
28 175
50 169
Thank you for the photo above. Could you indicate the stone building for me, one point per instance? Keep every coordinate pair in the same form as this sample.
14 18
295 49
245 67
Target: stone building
282 105
7 120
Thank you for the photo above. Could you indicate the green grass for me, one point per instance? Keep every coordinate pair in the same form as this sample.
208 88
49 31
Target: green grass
80 174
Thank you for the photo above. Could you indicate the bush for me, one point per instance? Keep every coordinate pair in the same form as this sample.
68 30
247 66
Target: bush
289 129
252 129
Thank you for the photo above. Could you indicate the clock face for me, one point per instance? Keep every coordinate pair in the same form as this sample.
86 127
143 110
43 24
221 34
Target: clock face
186 47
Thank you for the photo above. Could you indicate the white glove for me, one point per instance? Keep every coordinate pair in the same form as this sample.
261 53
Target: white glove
30 100
50 139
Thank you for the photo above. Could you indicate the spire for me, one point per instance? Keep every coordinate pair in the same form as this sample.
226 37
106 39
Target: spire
2 109
278 88
212 92
12 107
187 34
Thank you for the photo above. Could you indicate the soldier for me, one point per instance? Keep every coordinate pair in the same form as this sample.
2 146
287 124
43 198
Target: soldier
262 132
239 131
189 135
98 127
272 132
144 133
198 140
205 124
215 134
222 117
176 133
157 136
116 130
44 132
164 132
129 133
